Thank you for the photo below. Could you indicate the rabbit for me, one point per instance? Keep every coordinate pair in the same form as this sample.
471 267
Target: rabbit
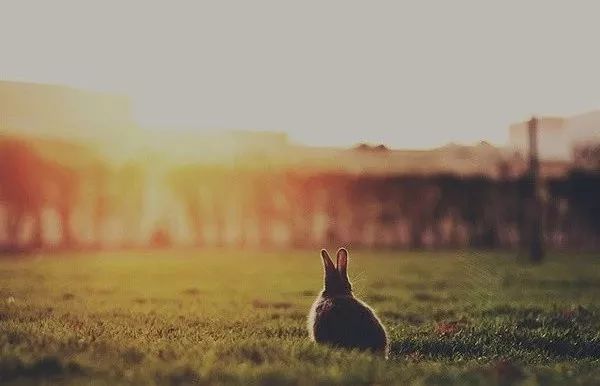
339 319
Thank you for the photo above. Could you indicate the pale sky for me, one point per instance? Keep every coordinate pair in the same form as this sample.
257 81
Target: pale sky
405 73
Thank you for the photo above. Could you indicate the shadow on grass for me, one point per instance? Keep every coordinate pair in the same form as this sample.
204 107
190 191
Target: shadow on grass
483 346
518 333
531 334
43 368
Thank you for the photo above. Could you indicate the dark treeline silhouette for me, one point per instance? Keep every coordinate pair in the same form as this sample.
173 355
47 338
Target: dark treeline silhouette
48 204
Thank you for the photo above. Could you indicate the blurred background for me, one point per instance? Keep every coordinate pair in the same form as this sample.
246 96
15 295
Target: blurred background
405 126
76 171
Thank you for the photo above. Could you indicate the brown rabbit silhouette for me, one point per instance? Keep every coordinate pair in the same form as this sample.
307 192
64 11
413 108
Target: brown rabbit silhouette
338 318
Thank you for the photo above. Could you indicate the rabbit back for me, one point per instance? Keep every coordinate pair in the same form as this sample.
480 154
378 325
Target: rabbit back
347 322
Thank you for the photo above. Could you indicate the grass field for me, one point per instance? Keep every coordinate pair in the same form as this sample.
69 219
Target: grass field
184 317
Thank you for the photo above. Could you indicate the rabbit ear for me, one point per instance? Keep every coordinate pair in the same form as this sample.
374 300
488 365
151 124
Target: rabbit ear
327 263
342 262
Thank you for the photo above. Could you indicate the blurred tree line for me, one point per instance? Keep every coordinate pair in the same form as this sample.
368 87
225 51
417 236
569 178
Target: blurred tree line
53 204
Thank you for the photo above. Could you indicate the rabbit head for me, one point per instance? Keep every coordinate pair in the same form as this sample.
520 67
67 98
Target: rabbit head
336 276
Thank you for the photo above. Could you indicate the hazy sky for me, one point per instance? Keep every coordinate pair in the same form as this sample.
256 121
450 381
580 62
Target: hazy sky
407 73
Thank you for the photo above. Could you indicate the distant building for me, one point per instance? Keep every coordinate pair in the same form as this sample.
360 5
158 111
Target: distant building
553 142
62 112
558 137
584 128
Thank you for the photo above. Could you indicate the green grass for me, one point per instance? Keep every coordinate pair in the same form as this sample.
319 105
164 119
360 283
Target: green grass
183 317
